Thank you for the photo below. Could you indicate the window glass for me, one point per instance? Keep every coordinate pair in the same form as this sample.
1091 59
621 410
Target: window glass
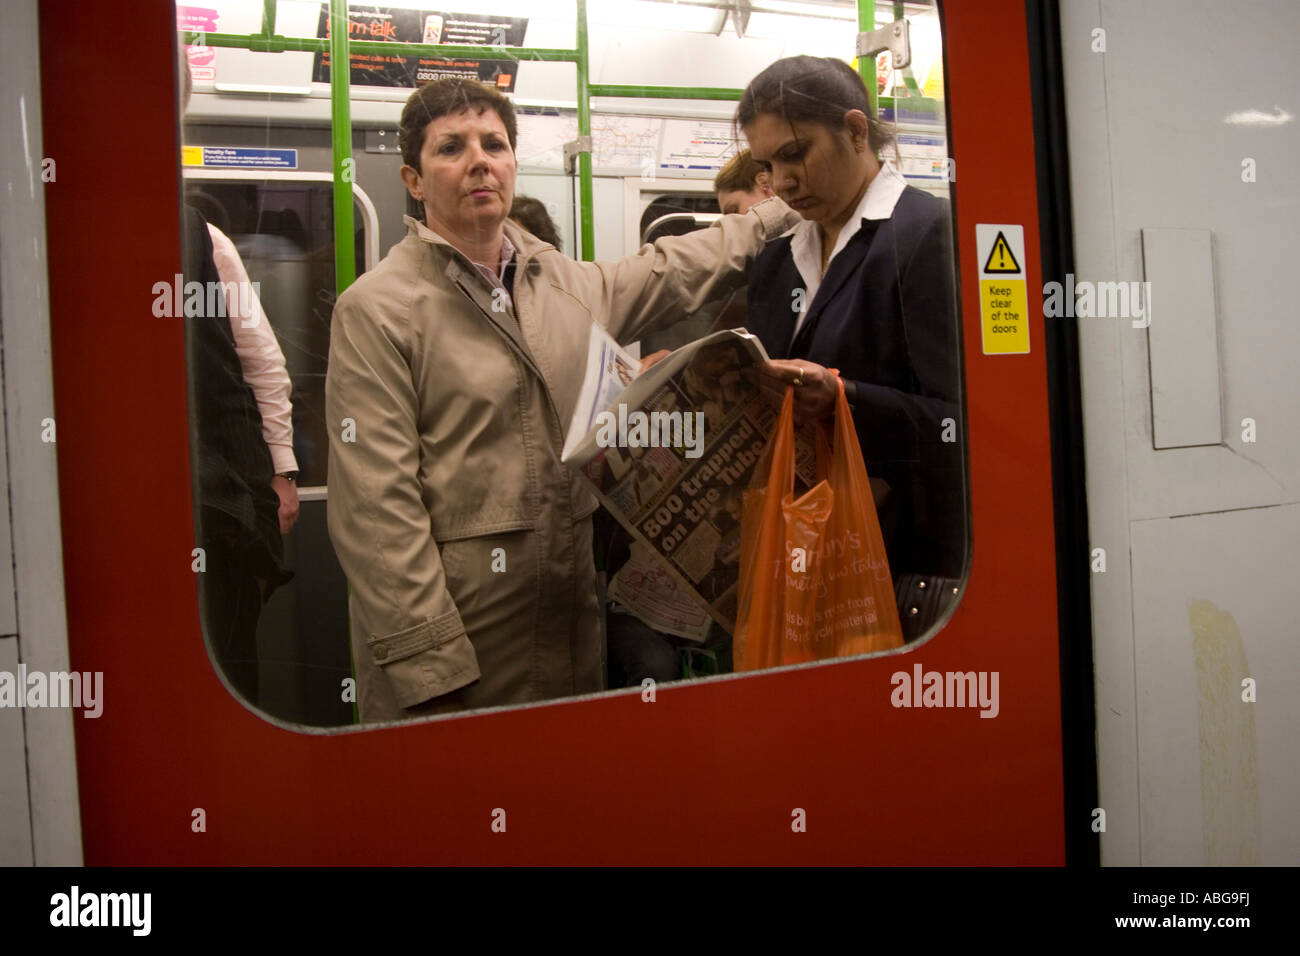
461 572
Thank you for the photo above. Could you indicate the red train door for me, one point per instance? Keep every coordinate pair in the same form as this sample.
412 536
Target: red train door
706 773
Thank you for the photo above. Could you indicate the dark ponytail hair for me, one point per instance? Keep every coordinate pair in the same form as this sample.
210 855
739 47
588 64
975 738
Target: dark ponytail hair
811 89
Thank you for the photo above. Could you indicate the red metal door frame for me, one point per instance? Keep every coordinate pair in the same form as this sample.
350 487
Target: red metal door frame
709 772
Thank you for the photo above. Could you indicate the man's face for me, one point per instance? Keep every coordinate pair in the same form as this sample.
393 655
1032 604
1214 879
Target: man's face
466 179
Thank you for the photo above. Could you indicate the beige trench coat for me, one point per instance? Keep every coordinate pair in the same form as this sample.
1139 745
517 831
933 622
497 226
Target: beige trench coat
466 542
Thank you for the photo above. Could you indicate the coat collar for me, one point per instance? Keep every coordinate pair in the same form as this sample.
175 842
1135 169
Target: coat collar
526 244
475 285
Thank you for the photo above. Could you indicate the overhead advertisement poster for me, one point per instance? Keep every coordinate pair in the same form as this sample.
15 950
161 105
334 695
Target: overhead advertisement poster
201 58
396 26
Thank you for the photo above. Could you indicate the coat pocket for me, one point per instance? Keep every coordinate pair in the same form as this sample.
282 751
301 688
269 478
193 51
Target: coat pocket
493 578
497 582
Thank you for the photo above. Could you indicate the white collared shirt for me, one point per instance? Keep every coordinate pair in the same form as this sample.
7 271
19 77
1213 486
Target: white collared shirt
877 202
497 278
260 356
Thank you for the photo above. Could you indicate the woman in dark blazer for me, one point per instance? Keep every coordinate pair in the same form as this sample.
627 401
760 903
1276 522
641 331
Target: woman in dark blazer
863 289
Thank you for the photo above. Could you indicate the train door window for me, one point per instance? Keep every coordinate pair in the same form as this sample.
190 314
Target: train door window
275 606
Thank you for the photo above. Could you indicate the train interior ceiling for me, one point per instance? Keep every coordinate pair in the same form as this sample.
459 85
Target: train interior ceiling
1172 425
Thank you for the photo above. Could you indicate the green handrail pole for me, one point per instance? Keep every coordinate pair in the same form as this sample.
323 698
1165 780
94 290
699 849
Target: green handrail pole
345 258
259 43
585 192
666 92
268 18
867 64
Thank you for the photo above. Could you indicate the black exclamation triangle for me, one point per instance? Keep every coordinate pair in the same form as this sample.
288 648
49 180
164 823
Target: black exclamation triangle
1006 259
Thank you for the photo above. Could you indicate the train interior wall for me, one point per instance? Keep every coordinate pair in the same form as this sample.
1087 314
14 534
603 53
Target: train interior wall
1182 151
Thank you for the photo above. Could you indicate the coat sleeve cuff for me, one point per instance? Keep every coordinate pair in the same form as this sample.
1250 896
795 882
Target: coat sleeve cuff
430 659
776 216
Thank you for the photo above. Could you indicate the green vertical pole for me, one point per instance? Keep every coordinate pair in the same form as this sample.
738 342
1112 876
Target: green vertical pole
584 130
268 18
867 64
345 259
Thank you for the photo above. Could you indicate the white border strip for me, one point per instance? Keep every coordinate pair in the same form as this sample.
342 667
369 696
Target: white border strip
33 475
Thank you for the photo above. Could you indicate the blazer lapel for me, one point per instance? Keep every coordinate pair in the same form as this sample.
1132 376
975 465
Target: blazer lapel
844 265
780 320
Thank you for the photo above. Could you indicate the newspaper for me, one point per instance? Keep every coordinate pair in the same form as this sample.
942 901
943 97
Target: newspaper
670 453
647 588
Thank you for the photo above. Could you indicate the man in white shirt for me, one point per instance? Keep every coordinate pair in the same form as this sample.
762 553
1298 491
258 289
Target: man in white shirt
264 372
259 353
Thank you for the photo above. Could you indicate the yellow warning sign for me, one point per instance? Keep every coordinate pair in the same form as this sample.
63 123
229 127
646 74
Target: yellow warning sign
1004 300
1001 258
1006 316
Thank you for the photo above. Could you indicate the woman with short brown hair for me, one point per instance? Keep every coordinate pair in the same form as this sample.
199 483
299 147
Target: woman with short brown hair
454 370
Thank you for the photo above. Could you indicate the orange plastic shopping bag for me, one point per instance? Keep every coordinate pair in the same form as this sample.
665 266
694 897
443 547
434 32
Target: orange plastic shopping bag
814 579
